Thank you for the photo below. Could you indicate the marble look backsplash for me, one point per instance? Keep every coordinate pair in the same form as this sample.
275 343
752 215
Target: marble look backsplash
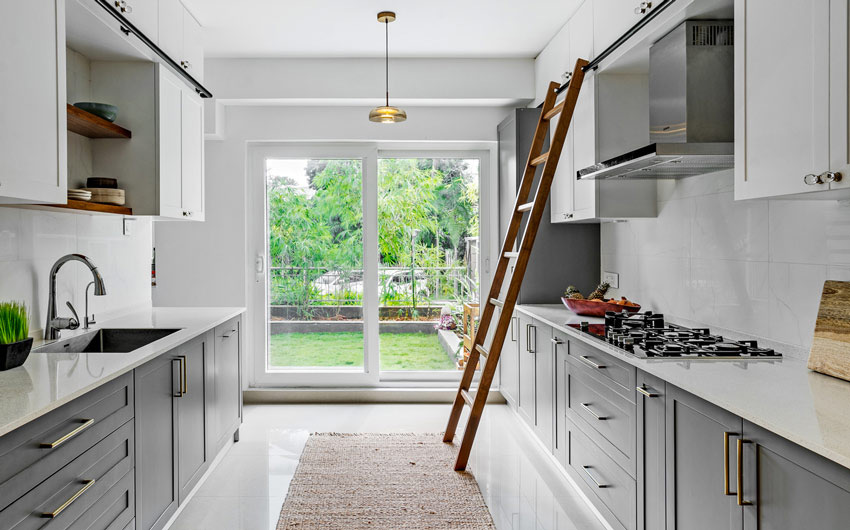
754 267
32 240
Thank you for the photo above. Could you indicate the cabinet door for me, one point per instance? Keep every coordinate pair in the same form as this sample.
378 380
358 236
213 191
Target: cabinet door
156 385
170 116
791 487
192 59
526 369
839 103
144 14
696 470
561 207
612 18
171 28
33 137
561 370
544 384
584 119
228 387
192 414
781 120
192 160
651 444
509 364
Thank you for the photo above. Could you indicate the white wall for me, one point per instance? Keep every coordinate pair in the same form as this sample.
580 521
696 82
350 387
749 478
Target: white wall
32 240
755 267
208 263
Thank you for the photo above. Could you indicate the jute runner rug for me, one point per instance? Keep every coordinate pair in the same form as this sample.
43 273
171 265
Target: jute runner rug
381 481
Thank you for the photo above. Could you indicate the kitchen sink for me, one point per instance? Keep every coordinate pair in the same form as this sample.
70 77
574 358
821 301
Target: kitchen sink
114 340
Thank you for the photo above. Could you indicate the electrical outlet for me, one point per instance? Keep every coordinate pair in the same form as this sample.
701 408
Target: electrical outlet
612 279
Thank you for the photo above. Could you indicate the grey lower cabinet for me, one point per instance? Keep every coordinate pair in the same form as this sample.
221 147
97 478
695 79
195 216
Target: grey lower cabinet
158 387
650 452
788 487
699 469
509 364
227 391
537 379
192 418
525 372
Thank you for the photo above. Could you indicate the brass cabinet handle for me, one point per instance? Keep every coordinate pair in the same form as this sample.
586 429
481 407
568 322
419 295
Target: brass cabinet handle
586 406
184 381
86 423
179 377
587 360
726 489
741 501
599 484
647 391
60 509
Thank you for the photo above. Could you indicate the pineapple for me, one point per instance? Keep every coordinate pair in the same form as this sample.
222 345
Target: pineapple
573 293
600 291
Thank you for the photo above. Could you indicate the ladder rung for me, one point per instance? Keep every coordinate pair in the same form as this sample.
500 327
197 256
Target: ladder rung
469 398
540 159
554 111
482 350
496 302
510 255
525 207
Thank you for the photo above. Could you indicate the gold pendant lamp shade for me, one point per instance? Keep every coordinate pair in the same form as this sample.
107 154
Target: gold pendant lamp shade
386 113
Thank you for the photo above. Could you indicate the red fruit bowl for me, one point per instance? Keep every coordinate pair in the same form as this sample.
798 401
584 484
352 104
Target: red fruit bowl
597 309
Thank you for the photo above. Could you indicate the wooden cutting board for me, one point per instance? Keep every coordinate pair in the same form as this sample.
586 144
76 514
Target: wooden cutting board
830 352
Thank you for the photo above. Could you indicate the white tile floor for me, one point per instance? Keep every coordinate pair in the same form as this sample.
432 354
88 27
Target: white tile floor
245 492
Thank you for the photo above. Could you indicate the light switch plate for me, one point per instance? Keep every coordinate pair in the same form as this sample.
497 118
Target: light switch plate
612 279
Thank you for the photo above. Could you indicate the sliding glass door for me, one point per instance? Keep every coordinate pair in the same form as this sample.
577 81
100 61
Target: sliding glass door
366 262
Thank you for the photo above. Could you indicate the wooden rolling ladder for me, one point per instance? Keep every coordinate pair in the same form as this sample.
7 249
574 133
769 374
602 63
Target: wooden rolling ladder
489 357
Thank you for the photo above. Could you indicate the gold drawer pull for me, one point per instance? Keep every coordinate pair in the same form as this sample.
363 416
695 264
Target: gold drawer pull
726 489
741 501
85 425
587 360
57 511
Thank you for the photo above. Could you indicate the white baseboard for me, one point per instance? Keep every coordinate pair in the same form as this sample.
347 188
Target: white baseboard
356 395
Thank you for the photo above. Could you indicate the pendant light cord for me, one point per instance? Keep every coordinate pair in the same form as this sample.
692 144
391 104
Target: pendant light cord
387 57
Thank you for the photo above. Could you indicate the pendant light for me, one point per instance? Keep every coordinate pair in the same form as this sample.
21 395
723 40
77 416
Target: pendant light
387 114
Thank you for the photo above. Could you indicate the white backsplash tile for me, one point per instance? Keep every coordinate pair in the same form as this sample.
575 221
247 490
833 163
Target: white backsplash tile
32 240
754 267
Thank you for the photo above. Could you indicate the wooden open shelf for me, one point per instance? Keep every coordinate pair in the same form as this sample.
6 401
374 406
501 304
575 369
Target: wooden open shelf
91 126
92 207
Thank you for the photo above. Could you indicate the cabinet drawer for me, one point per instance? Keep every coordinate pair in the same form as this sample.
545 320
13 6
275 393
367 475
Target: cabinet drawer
610 488
228 330
617 375
609 416
25 462
77 487
113 511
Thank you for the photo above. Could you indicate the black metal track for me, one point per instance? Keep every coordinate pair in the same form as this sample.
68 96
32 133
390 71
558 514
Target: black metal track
127 27
594 63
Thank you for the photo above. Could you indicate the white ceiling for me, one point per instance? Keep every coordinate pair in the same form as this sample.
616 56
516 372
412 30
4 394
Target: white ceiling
348 28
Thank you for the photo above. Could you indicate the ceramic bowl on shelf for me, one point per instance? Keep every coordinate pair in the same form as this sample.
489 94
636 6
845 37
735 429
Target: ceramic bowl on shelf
592 308
103 110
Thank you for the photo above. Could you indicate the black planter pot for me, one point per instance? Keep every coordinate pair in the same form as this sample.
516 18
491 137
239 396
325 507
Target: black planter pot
14 354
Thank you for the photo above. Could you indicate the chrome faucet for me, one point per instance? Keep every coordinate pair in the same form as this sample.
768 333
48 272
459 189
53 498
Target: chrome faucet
54 324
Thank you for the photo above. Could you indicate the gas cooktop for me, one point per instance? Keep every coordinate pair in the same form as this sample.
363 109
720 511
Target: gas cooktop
647 335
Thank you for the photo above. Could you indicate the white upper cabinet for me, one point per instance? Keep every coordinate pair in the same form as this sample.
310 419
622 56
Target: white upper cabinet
790 98
180 37
33 137
615 17
161 167
141 13
584 118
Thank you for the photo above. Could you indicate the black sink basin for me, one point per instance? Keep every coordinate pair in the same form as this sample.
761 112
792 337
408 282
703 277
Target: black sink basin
107 341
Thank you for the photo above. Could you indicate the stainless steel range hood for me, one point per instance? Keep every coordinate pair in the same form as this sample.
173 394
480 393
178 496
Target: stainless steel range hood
691 107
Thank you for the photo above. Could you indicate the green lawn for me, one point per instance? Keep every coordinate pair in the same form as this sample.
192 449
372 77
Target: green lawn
399 351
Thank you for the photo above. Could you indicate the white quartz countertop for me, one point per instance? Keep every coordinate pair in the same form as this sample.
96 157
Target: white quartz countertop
47 381
783 396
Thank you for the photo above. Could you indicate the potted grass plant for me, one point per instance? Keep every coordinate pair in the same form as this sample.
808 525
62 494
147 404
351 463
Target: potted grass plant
15 342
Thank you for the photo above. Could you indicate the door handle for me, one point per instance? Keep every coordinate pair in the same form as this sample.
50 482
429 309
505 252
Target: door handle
533 338
184 385
741 501
513 331
647 391
726 489
179 392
